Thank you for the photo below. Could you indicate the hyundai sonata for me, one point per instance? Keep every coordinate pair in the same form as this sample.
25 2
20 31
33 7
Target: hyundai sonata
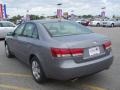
59 49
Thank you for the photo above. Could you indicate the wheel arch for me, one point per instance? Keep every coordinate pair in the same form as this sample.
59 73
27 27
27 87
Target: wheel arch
30 58
33 55
42 65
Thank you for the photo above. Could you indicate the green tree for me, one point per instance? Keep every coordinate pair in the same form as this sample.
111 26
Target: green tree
87 16
15 18
42 17
34 17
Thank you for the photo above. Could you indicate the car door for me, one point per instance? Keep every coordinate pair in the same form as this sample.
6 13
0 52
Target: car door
118 22
115 22
14 41
27 41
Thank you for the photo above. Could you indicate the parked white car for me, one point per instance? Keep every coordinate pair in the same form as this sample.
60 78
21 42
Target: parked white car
5 27
111 23
96 23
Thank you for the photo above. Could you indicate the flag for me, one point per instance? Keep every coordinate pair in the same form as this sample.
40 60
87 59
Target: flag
1 11
4 11
59 12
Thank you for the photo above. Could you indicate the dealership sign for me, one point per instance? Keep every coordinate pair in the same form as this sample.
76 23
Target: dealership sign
59 13
3 13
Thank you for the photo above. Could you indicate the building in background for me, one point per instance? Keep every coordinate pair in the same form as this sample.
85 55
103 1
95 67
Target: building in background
65 15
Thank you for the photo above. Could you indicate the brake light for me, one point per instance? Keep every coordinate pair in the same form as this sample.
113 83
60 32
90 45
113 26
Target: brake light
107 45
77 51
61 52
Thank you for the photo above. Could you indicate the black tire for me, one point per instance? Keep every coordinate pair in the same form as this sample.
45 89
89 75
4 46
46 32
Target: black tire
112 25
37 71
8 52
98 25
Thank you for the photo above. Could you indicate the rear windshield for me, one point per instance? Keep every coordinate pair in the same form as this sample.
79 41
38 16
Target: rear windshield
64 28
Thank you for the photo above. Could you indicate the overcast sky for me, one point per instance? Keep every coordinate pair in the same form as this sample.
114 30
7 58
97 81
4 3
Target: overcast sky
48 7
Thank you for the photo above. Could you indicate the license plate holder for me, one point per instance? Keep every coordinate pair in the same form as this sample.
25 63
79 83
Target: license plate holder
94 51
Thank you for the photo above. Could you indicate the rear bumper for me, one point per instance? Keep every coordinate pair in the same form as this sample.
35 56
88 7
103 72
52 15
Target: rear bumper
70 70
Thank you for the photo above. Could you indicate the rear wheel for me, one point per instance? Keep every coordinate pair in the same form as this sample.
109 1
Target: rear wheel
7 51
98 25
37 70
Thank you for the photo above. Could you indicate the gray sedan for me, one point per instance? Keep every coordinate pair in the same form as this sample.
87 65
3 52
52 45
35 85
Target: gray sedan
59 50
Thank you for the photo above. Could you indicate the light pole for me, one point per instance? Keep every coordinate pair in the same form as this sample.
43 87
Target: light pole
27 15
72 15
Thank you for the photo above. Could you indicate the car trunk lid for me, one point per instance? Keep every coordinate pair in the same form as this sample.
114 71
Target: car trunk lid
91 43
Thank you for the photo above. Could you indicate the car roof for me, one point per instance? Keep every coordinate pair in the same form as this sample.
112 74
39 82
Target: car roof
47 21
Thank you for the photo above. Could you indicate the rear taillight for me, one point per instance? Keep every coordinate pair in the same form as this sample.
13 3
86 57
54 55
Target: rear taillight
107 45
61 52
77 52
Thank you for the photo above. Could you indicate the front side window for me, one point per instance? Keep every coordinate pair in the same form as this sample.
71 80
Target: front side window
19 29
64 28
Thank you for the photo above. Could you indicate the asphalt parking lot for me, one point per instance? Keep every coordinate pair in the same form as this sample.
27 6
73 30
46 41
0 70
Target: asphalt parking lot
14 75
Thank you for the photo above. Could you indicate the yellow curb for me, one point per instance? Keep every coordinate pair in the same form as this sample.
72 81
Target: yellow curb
15 75
92 87
13 87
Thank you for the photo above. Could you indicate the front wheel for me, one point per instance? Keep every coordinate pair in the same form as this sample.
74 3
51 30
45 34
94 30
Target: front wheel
37 71
112 25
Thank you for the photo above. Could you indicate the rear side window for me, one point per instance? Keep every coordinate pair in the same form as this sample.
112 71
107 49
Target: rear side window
30 31
19 29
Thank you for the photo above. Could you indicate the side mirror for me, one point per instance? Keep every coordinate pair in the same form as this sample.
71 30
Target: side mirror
10 34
